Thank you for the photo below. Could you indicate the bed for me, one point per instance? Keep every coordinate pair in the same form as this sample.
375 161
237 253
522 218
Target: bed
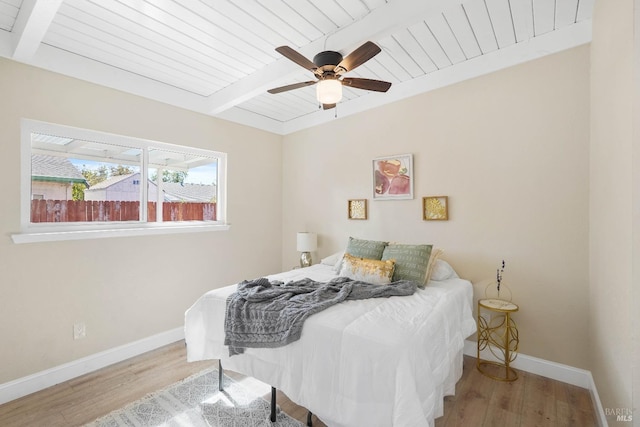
375 362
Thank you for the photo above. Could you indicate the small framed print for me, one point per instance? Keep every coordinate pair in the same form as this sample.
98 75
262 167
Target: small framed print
357 209
435 208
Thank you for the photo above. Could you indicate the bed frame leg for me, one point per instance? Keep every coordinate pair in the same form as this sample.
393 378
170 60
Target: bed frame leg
273 404
273 395
220 376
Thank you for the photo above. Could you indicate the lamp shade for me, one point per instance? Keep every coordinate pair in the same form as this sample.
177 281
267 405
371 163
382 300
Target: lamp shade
329 91
307 242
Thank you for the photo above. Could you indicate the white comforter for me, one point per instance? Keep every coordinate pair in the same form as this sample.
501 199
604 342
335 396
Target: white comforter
377 362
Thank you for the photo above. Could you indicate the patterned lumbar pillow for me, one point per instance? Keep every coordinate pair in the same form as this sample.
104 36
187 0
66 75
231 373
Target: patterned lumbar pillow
412 261
367 270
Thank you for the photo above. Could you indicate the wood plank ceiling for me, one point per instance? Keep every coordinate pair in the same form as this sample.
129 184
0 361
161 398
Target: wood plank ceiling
217 56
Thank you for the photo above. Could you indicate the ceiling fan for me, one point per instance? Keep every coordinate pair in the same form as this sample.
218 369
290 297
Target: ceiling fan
329 68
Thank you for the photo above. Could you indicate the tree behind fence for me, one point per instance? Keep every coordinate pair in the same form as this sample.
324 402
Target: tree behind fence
102 210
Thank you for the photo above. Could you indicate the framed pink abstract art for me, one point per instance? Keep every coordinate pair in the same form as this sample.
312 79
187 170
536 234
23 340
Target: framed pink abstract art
393 177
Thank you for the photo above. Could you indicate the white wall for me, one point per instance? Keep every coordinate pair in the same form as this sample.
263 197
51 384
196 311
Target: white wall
124 289
510 149
611 196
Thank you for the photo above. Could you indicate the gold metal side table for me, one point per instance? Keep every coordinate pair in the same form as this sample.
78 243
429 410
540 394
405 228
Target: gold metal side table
499 333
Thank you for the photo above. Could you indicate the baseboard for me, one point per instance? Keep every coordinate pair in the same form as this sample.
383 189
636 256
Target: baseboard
47 378
556 371
595 399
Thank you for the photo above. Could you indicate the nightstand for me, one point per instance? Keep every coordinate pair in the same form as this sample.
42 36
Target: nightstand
497 332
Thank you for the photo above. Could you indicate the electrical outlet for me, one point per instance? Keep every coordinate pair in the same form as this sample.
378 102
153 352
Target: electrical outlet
79 331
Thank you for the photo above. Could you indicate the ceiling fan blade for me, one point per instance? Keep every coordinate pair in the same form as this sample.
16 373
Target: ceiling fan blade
328 106
296 57
292 86
367 84
358 57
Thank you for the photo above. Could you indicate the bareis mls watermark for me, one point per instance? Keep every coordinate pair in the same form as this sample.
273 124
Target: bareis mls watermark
619 414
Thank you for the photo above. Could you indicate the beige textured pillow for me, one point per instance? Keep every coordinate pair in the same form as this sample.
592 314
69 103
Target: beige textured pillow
435 254
367 270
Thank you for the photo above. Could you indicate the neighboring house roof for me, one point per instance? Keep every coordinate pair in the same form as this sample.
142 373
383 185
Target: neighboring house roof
174 191
54 169
110 181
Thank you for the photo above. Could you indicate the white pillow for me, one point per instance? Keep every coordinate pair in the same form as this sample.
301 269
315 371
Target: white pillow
332 259
442 271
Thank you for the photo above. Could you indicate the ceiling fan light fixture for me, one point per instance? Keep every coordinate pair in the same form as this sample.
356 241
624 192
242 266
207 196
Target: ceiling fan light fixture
329 91
328 68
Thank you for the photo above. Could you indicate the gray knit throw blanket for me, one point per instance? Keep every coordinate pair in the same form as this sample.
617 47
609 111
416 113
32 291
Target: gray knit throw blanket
265 314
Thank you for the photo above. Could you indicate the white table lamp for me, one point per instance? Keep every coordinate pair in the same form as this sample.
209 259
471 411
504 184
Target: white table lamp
307 243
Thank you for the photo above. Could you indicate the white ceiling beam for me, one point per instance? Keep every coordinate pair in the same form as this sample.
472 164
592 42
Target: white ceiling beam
379 23
32 23
249 118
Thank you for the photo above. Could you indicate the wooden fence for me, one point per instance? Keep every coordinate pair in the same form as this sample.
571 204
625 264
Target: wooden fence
101 210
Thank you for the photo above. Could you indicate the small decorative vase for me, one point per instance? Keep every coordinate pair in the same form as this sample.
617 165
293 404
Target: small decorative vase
504 293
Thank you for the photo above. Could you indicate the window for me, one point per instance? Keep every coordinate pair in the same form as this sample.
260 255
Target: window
77 180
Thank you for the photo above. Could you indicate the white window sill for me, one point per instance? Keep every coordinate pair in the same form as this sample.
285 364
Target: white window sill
53 236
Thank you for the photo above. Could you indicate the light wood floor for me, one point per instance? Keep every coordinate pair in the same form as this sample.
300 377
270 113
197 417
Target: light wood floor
479 401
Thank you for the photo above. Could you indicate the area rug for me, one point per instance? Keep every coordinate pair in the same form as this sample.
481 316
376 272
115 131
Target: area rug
196 401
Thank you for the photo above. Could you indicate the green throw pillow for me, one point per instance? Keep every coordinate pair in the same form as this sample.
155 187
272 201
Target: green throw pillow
411 261
369 249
